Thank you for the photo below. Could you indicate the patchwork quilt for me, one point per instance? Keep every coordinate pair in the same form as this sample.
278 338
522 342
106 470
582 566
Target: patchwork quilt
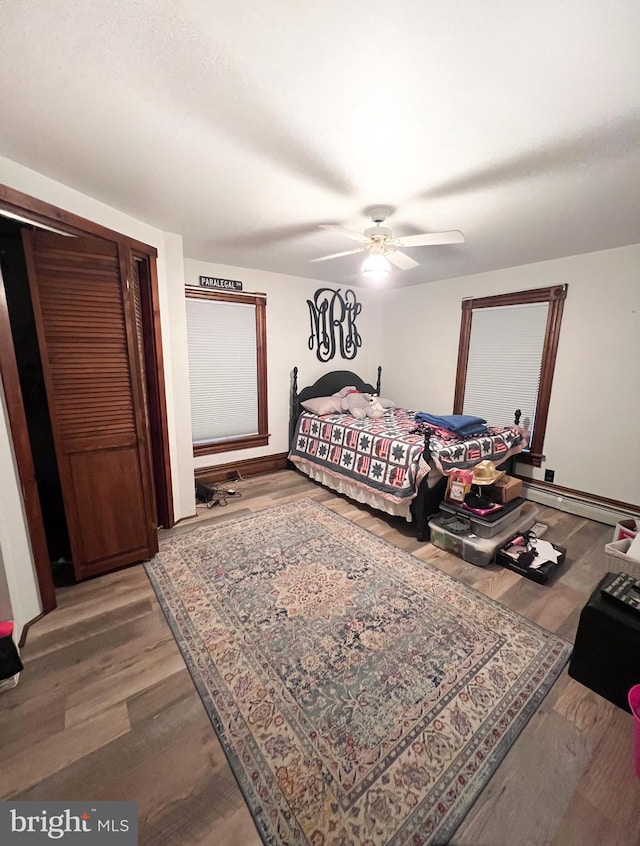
380 454
384 454
449 452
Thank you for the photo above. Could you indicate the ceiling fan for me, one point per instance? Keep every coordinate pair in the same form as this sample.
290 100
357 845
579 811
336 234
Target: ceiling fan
382 248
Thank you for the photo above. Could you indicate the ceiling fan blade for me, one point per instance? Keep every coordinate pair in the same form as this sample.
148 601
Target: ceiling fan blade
432 239
404 262
337 255
339 230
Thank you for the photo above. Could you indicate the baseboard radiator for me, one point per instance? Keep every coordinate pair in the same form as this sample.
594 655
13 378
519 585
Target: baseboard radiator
575 503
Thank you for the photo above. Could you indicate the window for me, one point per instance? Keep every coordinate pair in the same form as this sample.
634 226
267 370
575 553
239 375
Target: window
506 358
226 335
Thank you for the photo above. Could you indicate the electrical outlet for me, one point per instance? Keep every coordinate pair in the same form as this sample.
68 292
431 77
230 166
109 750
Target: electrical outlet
549 475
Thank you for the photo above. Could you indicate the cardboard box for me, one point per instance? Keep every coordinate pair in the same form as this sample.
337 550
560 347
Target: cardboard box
505 489
626 529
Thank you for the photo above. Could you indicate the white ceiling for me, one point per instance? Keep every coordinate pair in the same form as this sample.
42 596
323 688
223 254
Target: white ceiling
243 125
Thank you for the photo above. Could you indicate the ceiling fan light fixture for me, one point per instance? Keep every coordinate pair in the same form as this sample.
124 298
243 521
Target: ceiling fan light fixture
376 267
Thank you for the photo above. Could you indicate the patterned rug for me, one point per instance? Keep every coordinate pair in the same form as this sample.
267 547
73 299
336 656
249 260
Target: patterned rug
362 697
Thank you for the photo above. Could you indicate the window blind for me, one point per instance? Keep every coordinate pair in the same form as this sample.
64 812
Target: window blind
223 369
505 363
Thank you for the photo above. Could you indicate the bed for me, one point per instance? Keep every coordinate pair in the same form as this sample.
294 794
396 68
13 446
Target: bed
394 463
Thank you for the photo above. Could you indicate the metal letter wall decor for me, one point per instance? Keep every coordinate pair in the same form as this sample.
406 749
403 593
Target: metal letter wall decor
333 323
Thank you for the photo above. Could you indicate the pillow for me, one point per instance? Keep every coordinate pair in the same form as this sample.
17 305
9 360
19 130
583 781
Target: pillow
322 405
385 403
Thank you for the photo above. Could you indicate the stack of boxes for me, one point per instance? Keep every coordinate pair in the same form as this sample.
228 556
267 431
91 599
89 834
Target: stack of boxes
478 538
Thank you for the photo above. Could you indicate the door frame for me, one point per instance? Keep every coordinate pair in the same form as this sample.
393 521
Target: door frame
38 211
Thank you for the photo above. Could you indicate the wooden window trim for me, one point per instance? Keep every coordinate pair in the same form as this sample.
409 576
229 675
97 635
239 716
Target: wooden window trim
261 438
555 295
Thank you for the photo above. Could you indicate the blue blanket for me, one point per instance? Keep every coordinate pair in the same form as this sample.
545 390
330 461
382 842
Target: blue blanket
459 424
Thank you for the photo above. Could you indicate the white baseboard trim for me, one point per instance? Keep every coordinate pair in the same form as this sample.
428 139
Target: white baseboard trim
579 505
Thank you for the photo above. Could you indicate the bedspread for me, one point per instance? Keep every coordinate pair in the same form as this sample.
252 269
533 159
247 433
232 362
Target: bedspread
381 454
449 452
384 455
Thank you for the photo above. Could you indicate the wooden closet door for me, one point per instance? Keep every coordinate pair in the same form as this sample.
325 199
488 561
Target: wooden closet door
89 348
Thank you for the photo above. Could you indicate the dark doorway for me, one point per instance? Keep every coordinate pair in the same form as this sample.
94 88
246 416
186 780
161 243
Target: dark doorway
34 399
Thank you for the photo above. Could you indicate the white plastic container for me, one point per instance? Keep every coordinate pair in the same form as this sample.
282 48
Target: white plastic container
474 549
619 560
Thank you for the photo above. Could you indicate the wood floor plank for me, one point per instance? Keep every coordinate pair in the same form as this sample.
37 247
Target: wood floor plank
24 726
151 702
89 775
89 627
587 711
194 820
119 593
494 581
117 684
25 769
549 607
532 790
609 782
583 823
78 664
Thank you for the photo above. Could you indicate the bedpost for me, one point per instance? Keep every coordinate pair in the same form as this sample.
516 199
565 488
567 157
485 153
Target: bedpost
511 466
295 409
379 380
426 454
427 500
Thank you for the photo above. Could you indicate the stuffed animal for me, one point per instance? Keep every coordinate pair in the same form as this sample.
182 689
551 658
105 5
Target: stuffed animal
361 405
375 410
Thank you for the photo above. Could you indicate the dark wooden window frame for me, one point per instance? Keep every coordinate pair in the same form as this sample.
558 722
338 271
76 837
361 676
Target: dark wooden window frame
40 211
261 438
555 296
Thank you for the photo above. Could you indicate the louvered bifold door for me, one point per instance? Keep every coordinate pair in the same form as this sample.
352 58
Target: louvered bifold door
90 359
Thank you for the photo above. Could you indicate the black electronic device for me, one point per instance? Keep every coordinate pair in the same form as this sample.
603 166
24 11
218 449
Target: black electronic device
623 589
606 652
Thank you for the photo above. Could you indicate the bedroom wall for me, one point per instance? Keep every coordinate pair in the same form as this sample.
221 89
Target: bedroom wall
592 438
6 612
288 331
19 595
14 540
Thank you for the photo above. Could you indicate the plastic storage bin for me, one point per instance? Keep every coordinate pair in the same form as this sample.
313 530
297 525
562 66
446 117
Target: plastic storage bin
489 525
476 550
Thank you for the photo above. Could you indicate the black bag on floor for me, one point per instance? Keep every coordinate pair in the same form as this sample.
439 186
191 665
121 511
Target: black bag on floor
10 662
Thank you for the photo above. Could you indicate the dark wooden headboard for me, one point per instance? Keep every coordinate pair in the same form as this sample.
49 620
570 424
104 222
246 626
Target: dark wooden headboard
325 386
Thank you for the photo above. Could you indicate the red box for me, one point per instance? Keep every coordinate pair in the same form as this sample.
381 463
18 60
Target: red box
625 529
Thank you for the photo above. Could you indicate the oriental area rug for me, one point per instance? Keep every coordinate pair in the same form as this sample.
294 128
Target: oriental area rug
362 697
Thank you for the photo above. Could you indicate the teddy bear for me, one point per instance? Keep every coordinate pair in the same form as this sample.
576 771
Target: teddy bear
360 405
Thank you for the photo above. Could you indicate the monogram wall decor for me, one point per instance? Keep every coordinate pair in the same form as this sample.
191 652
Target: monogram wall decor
333 324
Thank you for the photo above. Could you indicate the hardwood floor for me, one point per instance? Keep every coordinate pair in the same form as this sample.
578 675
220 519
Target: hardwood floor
105 707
